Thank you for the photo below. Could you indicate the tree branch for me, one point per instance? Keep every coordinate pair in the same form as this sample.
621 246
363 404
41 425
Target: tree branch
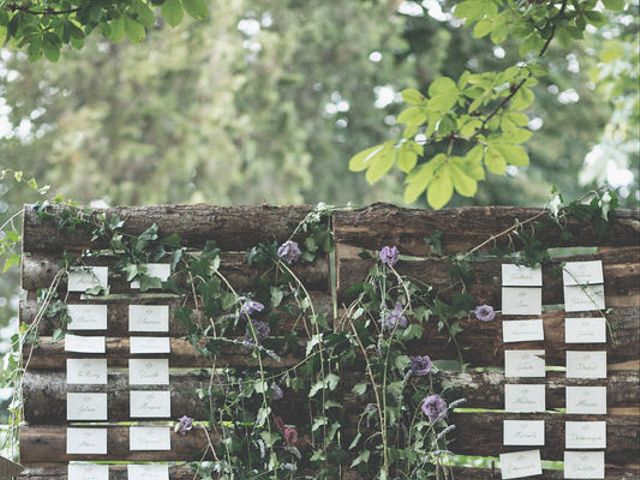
19 8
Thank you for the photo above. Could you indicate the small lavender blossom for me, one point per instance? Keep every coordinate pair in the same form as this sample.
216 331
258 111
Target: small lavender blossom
276 392
262 331
485 313
289 252
434 407
395 319
421 366
185 424
389 256
250 307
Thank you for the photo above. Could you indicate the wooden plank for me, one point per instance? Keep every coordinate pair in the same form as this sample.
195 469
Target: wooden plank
45 392
463 228
232 228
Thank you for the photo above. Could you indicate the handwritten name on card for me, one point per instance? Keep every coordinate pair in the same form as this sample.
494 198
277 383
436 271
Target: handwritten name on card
585 330
584 299
86 406
145 345
82 279
520 464
87 471
582 273
149 438
150 404
148 318
524 363
521 276
87 317
148 372
586 435
87 441
520 398
521 301
583 465
522 331
84 344
90 371
586 400
586 364
147 472
523 432
155 270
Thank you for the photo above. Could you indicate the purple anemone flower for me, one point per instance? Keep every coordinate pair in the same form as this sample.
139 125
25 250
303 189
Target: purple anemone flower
389 256
250 307
395 319
185 424
434 407
262 331
485 313
421 366
289 252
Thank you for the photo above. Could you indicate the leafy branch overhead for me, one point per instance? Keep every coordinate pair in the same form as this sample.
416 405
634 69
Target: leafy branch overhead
464 127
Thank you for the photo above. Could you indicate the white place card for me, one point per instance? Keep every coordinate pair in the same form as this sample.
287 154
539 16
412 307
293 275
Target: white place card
584 465
87 317
520 464
148 318
88 371
524 363
144 371
522 331
148 472
87 406
585 330
586 400
150 404
86 441
84 344
587 298
586 364
87 471
520 398
521 276
145 345
521 301
84 278
524 432
582 273
149 438
586 435
157 270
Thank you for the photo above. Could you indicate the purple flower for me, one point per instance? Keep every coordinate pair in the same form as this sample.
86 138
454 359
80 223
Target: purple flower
185 424
421 366
262 331
276 392
485 313
289 252
395 319
389 256
434 407
250 307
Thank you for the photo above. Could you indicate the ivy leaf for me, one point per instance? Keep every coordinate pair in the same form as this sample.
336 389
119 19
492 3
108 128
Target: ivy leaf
441 188
196 8
173 12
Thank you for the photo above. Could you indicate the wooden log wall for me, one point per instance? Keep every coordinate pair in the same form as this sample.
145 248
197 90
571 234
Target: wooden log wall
237 229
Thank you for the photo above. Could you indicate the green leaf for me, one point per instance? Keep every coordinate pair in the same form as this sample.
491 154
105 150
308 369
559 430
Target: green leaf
595 18
117 30
522 99
144 14
406 159
513 154
483 28
444 94
440 189
516 135
380 165
361 161
614 4
173 12
51 51
464 184
418 181
359 389
196 8
412 116
134 30
413 96
494 161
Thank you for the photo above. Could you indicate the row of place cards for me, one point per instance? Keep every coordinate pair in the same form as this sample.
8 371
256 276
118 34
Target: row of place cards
93 441
82 279
93 371
87 471
142 318
577 465
83 406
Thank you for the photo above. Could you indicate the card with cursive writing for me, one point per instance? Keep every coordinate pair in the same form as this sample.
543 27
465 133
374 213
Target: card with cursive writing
148 318
82 279
520 464
522 331
586 298
87 317
149 438
146 345
582 273
86 441
585 330
521 301
156 270
89 371
521 398
586 364
87 471
524 363
150 404
147 472
84 344
586 435
523 432
584 465
586 400
87 406
153 371
521 276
